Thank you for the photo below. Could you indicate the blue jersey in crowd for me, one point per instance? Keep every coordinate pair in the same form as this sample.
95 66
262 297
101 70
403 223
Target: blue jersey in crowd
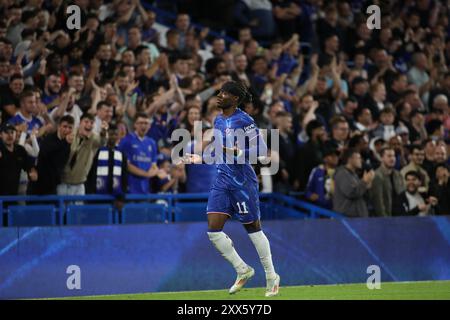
320 182
142 153
32 123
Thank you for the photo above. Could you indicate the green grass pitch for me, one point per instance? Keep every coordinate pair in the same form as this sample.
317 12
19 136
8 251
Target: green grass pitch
434 290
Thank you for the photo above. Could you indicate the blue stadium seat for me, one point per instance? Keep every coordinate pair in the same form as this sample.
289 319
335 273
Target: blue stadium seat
143 213
91 214
190 211
31 215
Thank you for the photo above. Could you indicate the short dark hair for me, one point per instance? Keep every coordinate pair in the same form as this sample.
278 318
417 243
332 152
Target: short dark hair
312 125
415 147
26 94
384 149
141 115
347 154
15 77
102 104
433 125
413 173
88 116
335 120
67 118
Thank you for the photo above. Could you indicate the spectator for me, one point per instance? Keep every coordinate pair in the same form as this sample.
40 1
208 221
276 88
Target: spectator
108 174
364 121
397 89
182 24
10 101
310 155
141 152
53 155
411 202
67 106
320 187
103 115
169 177
339 132
386 128
13 159
285 180
387 185
416 158
82 151
27 114
440 190
349 190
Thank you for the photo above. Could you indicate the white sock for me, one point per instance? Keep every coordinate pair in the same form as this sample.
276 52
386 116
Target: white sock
262 246
225 246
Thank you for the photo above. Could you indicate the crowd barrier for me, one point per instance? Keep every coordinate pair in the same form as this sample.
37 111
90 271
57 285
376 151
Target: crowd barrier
42 262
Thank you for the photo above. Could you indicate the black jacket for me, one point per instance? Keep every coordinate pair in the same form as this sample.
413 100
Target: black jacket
52 158
11 164
402 207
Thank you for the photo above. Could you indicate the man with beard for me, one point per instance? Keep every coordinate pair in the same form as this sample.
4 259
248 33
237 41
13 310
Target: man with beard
51 90
411 202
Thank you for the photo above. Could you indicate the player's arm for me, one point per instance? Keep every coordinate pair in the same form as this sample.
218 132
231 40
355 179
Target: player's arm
256 147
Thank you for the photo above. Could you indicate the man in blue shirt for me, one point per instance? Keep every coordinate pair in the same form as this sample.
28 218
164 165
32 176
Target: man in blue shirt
141 152
28 106
235 190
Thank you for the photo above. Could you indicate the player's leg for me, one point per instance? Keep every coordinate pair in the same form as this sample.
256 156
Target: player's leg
247 203
218 214
262 246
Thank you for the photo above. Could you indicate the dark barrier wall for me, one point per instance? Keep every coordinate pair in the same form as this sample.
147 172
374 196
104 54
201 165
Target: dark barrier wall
175 257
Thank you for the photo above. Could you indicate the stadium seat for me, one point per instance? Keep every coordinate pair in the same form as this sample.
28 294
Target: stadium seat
31 215
190 211
143 213
89 214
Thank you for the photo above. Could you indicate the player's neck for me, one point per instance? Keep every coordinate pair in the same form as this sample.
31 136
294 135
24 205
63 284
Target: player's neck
228 112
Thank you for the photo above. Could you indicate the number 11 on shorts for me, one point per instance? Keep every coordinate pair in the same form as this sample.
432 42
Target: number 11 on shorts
244 206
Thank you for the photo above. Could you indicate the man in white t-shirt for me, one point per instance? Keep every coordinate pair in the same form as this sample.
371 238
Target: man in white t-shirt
67 106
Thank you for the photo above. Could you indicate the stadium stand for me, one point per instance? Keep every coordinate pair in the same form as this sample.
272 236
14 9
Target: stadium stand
365 105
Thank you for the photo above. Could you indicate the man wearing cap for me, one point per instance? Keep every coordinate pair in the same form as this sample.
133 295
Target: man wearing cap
13 159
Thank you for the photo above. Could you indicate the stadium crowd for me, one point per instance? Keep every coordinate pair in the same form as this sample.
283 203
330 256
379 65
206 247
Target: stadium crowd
363 114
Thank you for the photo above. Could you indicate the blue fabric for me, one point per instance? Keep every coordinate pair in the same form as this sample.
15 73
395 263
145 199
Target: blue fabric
142 153
19 119
316 184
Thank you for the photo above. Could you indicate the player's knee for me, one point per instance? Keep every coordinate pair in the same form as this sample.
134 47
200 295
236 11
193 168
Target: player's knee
253 227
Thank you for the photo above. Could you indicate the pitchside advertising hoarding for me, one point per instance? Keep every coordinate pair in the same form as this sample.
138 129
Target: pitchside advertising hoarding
101 260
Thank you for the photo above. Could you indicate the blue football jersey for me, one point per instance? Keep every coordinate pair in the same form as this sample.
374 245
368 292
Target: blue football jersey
32 123
236 174
141 153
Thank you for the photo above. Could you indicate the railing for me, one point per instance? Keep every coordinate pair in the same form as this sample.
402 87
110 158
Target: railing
274 202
